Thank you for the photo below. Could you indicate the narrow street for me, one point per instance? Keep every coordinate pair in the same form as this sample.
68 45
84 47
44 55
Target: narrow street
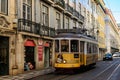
104 70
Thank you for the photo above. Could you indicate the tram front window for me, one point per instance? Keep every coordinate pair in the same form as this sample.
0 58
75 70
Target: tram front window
74 46
64 46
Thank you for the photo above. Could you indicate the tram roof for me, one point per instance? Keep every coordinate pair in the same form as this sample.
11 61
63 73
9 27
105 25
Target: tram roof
73 35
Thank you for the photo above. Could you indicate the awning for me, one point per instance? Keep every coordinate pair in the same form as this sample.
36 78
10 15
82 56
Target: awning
29 43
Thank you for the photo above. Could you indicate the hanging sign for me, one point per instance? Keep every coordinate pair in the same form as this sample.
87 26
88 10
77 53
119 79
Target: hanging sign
40 50
40 53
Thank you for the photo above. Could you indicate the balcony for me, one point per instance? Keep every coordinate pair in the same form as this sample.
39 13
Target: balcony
68 9
47 31
35 28
52 32
81 18
49 1
59 4
44 30
28 26
75 14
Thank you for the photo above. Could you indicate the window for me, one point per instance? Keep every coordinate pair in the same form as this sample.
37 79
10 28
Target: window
79 25
95 48
4 6
89 47
82 46
56 45
67 23
64 46
58 20
45 16
74 24
88 16
27 5
80 7
84 12
74 46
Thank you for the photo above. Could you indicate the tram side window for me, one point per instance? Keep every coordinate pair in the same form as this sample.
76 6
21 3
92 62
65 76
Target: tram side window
82 46
89 47
74 46
64 45
56 45
96 48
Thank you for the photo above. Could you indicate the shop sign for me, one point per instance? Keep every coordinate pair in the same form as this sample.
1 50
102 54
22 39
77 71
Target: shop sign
40 42
40 53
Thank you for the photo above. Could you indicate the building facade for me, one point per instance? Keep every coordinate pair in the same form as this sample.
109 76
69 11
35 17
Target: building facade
112 33
27 28
101 28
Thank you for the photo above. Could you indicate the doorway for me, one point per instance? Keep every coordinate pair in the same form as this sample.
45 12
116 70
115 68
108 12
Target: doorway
29 55
47 57
4 55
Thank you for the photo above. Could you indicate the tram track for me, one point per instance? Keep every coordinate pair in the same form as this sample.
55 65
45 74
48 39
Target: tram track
104 70
107 73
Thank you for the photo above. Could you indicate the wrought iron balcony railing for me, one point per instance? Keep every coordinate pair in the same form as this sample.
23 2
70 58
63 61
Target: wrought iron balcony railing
60 3
47 31
69 8
81 17
28 26
35 28
76 13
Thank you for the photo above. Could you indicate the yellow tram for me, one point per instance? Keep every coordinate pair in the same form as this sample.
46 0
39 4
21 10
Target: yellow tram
73 50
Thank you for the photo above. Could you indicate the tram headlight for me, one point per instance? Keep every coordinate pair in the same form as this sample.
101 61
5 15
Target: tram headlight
64 61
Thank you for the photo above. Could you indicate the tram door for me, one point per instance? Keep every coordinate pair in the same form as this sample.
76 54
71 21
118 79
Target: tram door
4 55
47 57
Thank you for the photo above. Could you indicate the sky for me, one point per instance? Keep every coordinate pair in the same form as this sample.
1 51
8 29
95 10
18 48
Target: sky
114 6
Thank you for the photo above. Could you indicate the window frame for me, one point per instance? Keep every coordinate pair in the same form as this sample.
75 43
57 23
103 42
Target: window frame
45 15
5 7
66 48
58 23
27 6
82 46
77 45
67 23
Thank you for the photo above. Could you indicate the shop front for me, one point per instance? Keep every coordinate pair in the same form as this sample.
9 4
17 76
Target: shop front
45 52
29 55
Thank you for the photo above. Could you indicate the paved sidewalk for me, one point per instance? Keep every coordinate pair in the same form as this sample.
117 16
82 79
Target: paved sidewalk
28 75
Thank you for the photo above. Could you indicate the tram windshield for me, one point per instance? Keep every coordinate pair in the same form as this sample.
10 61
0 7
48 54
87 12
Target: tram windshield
64 45
74 46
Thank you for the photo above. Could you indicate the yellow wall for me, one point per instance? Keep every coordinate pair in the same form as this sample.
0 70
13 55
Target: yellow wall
101 36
